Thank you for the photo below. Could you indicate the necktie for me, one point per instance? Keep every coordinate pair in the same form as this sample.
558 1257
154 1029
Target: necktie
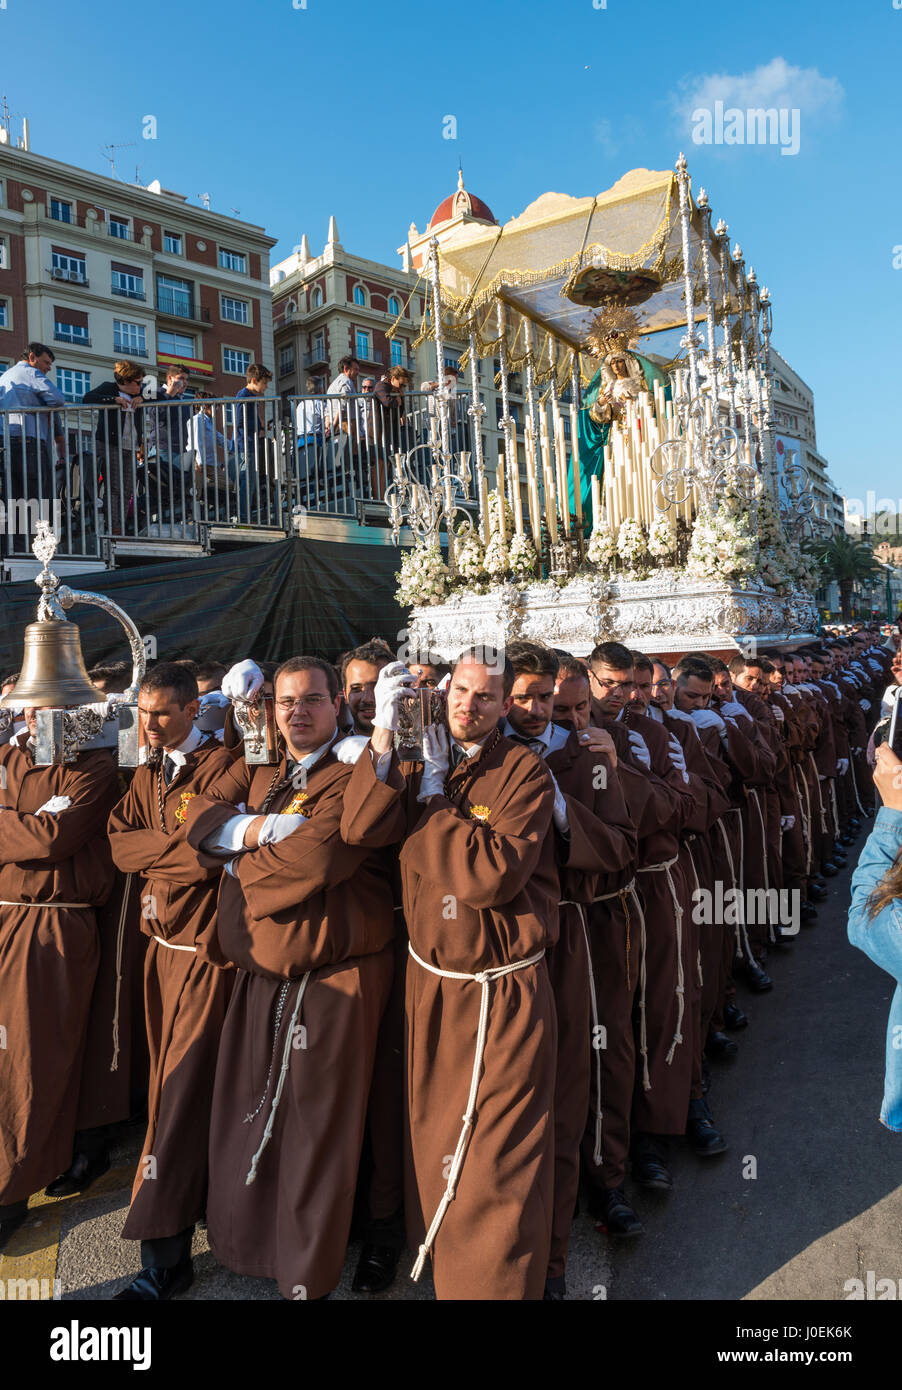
169 769
535 744
457 755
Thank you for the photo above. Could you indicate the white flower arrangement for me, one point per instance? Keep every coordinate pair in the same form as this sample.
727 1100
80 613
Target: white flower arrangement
522 558
423 578
497 562
722 547
632 549
469 555
493 514
602 549
661 538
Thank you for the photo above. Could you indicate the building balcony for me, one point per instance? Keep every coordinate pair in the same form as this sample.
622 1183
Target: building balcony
180 307
317 356
128 294
128 351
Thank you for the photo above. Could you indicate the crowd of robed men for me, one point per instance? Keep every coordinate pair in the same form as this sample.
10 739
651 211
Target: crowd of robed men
412 1002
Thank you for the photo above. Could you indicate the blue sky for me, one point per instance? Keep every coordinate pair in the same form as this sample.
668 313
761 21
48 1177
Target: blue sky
290 114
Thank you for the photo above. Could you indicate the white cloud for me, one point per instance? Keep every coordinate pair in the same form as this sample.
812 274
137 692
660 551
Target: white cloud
774 84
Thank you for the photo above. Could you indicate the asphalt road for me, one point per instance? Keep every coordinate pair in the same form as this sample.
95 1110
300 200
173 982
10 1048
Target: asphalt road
798 1108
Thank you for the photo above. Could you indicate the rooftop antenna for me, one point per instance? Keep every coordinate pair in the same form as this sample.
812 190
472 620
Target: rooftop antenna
138 168
236 211
205 199
111 156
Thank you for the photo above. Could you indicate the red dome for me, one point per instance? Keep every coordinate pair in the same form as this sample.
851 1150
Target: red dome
461 203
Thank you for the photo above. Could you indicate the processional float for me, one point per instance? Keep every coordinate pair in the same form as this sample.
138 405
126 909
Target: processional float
642 495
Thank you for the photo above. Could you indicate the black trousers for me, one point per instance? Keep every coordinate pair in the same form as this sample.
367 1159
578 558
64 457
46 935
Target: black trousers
164 1252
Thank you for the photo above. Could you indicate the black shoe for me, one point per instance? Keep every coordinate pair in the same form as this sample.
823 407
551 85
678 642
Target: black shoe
854 825
720 1045
555 1290
839 856
818 892
376 1268
79 1177
734 1018
650 1164
13 1217
157 1285
703 1137
829 869
782 938
848 838
610 1207
807 912
758 980
706 1078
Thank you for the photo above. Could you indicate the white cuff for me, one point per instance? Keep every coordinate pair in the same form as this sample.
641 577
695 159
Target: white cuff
229 838
381 763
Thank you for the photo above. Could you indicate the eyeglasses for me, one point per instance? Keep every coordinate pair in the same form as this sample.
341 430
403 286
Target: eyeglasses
604 684
287 705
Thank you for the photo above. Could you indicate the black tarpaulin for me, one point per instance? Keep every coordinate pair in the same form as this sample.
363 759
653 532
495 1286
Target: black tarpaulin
264 601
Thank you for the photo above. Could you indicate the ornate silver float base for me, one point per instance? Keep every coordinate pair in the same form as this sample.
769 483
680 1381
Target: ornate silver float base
669 612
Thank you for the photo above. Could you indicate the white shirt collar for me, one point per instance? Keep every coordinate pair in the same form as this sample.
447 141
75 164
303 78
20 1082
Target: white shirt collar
310 758
178 755
468 752
551 738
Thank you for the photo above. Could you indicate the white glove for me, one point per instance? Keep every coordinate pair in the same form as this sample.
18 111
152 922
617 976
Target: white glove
733 708
243 681
350 749
640 749
842 766
54 805
444 682
709 719
777 713
435 767
278 827
213 699
676 757
393 680
865 705
559 813
787 822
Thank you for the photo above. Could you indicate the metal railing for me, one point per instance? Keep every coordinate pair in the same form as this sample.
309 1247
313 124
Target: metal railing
180 306
178 470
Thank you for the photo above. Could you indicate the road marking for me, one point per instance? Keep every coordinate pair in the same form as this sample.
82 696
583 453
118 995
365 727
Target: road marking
33 1252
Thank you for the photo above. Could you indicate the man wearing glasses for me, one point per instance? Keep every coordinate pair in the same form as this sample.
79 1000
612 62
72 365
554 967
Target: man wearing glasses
308 920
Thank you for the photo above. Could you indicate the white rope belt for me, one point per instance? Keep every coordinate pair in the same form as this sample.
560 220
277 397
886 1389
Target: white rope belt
753 793
484 979
665 868
806 816
855 785
817 779
596 1026
698 889
120 943
740 914
834 806
286 1058
172 945
88 907
629 891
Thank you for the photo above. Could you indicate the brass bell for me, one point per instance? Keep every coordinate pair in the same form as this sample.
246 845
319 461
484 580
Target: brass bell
53 669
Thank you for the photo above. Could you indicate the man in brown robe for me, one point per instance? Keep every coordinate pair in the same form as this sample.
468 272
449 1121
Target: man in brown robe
594 839
55 871
186 992
481 900
308 920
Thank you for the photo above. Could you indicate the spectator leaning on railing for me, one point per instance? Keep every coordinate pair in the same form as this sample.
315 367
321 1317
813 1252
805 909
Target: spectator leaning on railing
23 388
875 917
118 450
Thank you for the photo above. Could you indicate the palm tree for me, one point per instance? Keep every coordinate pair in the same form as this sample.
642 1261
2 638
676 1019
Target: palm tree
847 560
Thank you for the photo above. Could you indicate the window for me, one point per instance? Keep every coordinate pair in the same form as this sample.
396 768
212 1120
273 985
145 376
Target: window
4 313
232 260
172 242
72 384
119 227
65 331
235 360
235 310
394 306
317 297
175 297
60 211
129 337
360 296
286 361
319 347
72 267
4 262
128 284
397 353
175 344
363 346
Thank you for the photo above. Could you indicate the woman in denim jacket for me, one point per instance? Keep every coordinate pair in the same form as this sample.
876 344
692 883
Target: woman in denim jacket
875 917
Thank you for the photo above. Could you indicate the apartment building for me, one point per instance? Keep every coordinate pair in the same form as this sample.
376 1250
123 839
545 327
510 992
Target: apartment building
102 269
796 432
